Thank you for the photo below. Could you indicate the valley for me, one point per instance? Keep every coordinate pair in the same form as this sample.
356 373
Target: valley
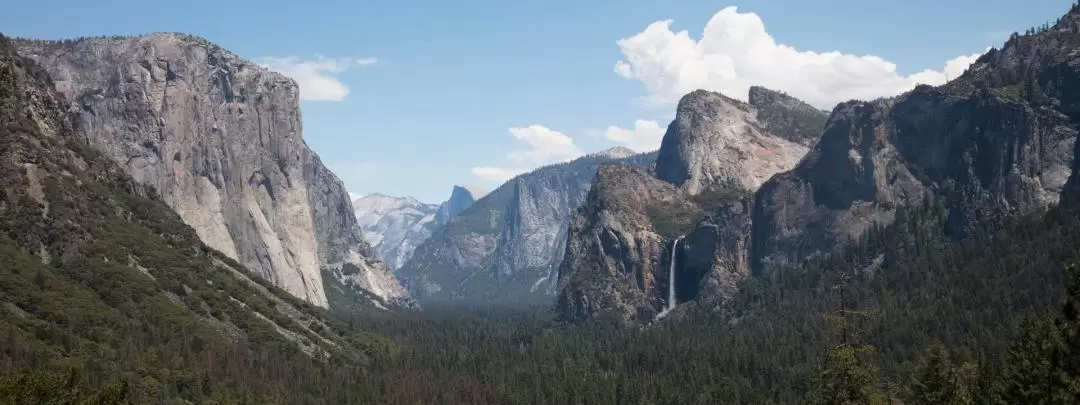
168 236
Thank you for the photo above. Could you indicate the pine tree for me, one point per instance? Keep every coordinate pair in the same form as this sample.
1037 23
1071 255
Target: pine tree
848 375
1031 373
938 382
1042 366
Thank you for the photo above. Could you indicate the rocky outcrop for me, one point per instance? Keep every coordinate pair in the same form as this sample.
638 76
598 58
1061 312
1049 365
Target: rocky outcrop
998 141
461 197
615 261
716 139
220 139
505 249
786 116
715 255
106 247
395 226
714 155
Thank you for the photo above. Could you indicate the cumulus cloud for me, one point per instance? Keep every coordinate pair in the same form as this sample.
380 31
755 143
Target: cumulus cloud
645 136
545 145
735 52
317 78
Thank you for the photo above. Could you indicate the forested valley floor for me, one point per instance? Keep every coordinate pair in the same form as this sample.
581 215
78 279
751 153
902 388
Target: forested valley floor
907 313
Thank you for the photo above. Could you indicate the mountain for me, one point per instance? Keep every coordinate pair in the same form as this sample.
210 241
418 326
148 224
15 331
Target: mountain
504 249
716 139
395 226
460 199
998 141
220 139
98 275
693 209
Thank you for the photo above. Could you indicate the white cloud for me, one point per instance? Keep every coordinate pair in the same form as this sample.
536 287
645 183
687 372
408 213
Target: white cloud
644 137
366 61
317 78
545 146
353 196
735 52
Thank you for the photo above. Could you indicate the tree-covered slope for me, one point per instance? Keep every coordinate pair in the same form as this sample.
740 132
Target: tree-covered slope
99 276
905 288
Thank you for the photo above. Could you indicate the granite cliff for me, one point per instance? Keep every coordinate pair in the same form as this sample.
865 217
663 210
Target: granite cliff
715 154
998 141
504 249
220 139
87 248
395 226
461 198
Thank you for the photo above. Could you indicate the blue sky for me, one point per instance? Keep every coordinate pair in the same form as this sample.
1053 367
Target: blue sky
468 92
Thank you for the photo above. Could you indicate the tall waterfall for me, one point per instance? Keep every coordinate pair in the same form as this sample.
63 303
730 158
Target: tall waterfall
671 281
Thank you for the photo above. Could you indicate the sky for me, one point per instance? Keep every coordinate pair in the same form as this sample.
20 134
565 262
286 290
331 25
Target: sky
409 97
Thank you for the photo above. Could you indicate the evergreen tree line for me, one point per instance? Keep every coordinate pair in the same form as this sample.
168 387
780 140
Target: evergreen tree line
905 313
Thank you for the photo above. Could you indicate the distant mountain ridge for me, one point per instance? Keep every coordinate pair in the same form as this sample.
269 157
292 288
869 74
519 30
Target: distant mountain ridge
504 249
394 226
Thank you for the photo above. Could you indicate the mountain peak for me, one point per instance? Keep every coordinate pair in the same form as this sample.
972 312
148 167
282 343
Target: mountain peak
700 98
717 139
475 191
787 116
617 152
759 96
461 197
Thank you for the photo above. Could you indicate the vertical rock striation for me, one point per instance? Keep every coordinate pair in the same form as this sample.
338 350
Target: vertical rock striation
461 197
999 141
504 249
996 142
220 139
715 154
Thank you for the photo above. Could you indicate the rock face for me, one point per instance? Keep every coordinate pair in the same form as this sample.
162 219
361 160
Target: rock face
461 197
395 226
614 261
504 249
107 244
714 155
220 139
998 141
716 139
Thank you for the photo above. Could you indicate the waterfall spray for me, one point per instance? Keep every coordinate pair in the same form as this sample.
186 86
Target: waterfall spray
671 281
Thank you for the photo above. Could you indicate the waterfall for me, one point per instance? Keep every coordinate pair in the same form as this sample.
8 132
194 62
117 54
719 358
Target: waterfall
671 281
